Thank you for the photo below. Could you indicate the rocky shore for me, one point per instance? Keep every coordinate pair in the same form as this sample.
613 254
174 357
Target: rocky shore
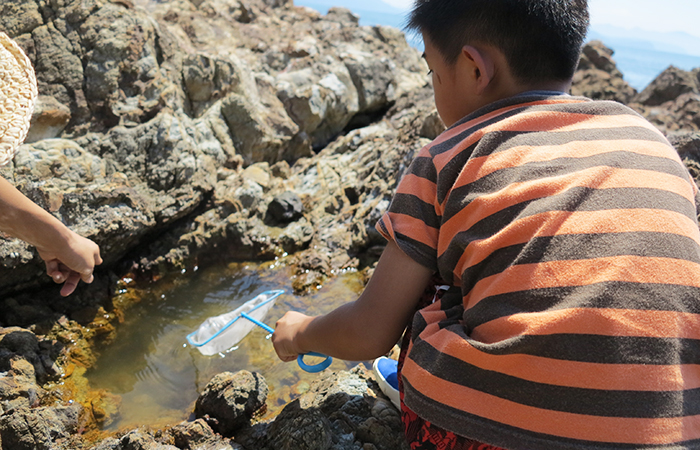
184 133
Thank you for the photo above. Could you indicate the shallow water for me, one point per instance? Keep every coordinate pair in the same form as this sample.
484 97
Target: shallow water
159 375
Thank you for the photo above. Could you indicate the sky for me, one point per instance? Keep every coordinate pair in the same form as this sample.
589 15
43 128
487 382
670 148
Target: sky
651 15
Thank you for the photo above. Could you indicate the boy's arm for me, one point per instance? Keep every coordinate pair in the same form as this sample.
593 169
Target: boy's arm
68 256
366 328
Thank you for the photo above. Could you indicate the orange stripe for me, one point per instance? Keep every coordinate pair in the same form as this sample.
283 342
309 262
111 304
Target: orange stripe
554 423
419 187
604 322
634 269
482 166
488 204
550 121
560 223
414 228
576 374
452 132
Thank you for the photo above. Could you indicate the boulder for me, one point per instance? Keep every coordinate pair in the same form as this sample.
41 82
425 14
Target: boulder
676 115
341 410
39 428
134 440
668 86
688 146
686 143
285 207
49 119
598 77
320 98
231 400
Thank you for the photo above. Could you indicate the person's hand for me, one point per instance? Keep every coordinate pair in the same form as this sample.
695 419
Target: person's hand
71 261
285 337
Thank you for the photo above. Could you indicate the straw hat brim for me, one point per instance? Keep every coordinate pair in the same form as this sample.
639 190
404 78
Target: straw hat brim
18 93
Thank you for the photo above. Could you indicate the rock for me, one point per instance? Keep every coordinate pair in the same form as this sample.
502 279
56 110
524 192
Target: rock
688 146
192 434
285 207
134 440
300 429
124 82
232 400
342 15
258 173
49 119
341 410
105 408
19 17
256 135
154 104
668 86
681 113
374 78
432 126
25 361
598 77
686 143
38 429
321 98
59 71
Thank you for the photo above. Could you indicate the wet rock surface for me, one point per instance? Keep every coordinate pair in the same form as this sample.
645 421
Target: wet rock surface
178 134
230 400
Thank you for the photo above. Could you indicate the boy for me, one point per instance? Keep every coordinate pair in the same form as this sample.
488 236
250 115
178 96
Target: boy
566 230
68 256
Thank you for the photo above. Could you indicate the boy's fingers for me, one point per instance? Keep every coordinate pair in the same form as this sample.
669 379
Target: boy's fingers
70 284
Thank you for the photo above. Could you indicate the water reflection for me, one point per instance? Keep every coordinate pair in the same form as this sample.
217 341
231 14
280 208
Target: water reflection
159 376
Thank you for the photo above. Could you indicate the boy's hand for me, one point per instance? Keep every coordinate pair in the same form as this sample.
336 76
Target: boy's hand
287 331
71 261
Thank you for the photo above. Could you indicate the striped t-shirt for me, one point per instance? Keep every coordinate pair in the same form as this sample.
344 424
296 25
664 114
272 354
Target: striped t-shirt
568 230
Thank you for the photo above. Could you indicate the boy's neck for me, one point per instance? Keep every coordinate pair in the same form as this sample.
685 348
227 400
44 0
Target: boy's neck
552 86
505 85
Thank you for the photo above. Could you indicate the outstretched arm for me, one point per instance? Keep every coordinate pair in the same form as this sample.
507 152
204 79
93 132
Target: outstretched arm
69 257
366 328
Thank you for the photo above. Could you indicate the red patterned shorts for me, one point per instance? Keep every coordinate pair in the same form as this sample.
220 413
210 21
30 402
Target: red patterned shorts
421 434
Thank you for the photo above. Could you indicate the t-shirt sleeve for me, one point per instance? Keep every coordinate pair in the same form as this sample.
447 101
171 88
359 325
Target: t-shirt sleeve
413 219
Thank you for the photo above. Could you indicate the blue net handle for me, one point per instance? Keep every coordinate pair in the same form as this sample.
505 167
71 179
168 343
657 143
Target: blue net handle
311 368
314 368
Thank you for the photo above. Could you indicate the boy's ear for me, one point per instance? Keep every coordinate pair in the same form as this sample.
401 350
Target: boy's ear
484 66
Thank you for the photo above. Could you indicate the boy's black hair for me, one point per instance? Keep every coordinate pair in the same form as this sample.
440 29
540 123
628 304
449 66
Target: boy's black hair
541 39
